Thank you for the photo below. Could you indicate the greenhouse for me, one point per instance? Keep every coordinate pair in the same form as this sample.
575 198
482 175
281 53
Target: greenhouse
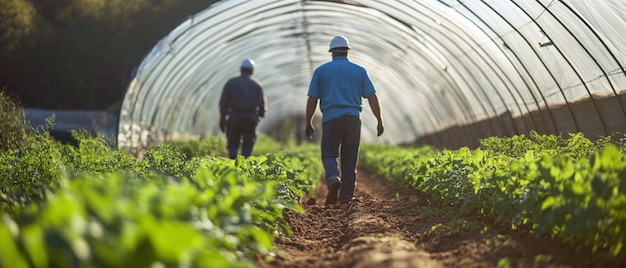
447 72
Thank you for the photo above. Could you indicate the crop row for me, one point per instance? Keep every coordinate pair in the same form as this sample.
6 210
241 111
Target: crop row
91 205
572 189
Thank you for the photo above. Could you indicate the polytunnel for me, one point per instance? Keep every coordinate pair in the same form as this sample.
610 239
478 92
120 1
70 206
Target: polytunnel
447 72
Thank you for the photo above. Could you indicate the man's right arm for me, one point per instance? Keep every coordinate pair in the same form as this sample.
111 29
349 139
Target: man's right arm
224 99
311 105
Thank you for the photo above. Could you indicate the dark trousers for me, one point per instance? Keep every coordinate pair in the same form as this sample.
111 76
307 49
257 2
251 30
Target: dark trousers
341 139
241 131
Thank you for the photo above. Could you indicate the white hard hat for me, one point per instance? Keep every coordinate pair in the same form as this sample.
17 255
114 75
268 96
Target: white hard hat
247 63
339 41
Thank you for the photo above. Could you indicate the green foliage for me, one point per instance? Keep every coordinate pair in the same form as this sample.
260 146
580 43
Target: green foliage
93 205
28 172
95 155
111 223
226 213
266 145
18 20
168 159
286 130
216 146
212 145
518 145
577 146
571 188
13 125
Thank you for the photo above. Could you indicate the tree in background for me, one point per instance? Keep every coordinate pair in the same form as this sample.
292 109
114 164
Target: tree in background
17 21
13 125
78 54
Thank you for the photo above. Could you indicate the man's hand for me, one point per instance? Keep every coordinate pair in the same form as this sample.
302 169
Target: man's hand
223 122
380 128
309 132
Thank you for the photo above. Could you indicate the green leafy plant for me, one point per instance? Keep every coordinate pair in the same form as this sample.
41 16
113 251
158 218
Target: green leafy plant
94 205
572 189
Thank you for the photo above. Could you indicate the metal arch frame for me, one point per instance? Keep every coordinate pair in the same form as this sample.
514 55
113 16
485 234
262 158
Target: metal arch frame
188 55
158 88
401 21
423 51
209 77
457 98
547 106
162 94
491 62
180 61
539 106
361 6
432 120
517 90
462 77
305 34
370 7
453 82
606 47
595 105
510 61
139 106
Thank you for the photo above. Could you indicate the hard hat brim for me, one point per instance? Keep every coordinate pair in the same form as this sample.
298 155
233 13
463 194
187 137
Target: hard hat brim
339 49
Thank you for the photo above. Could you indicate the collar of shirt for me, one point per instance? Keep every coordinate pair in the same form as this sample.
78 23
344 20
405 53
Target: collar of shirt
340 58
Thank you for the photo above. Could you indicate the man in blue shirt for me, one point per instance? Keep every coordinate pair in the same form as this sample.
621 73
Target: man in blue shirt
340 86
243 101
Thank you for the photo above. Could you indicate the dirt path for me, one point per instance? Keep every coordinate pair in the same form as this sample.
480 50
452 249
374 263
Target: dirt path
389 226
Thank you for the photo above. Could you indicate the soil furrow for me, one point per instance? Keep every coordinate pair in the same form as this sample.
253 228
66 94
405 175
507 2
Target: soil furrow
390 226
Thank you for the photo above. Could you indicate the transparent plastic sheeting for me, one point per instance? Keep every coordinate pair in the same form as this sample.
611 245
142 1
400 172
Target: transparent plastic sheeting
436 64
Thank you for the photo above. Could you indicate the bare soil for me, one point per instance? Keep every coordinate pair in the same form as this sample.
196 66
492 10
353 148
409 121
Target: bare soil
387 225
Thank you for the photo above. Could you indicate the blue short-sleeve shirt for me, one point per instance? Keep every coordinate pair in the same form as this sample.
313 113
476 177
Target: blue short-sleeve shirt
340 85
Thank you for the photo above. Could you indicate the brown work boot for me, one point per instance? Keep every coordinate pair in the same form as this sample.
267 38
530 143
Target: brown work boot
333 193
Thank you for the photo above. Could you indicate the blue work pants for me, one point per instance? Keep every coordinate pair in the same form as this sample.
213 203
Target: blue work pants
341 139
241 131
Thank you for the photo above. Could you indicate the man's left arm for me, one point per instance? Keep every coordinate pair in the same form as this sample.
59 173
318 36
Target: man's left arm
375 105
372 98
224 100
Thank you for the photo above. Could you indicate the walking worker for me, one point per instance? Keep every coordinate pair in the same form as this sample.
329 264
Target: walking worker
242 104
340 86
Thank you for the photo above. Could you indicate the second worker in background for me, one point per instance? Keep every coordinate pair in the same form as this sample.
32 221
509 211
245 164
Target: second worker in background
242 104
340 86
